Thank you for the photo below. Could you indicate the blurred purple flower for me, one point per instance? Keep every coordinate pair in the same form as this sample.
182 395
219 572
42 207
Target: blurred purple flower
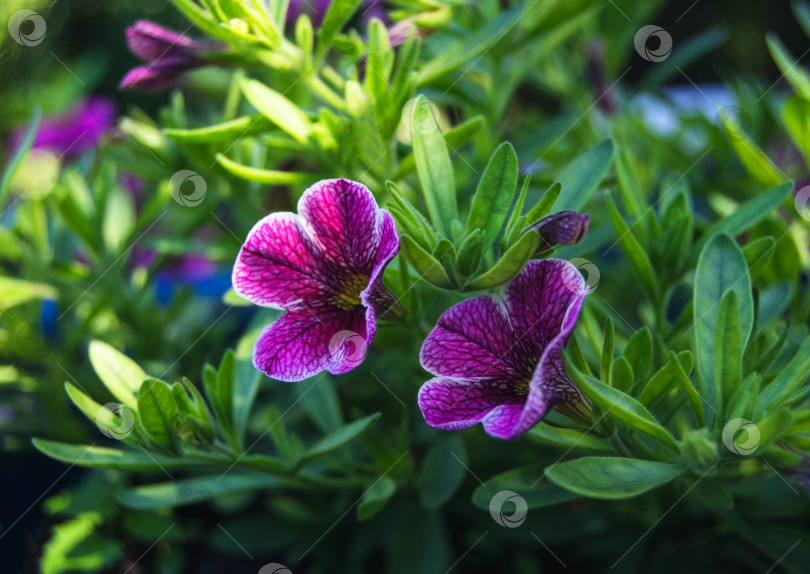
168 55
497 360
317 10
74 132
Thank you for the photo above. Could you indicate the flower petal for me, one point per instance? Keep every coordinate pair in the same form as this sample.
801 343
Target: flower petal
345 222
157 76
562 228
150 41
473 339
278 266
539 298
304 343
452 404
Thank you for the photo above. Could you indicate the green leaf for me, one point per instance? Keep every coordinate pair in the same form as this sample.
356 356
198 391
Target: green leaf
758 254
607 352
337 16
376 497
442 471
479 42
629 184
158 413
433 166
512 262
529 482
227 131
686 384
273 177
340 437
663 379
721 268
639 353
568 438
745 216
120 374
194 490
278 109
635 252
790 68
425 264
17 159
110 458
322 404
612 477
119 220
494 194
470 252
728 351
621 375
15 292
223 403
623 407
789 380
796 115
582 176
380 62
543 207
755 161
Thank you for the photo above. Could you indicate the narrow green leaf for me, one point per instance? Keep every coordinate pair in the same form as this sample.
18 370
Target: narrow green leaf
758 254
509 265
376 497
120 374
15 292
728 359
790 68
528 482
110 458
340 437
686 384
635 252
226 131
721 268
582 176
337 16
442 471
19 155
623 407
745 216
158 413
787 382
568 438
433 166
662 380
495 193
612 478
469 255
639 353
425 264
621 375
607 352
194 490
226 375
278 109
543 207
270 176
629 184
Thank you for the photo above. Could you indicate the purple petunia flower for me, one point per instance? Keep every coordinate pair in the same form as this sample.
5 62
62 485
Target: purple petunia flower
562 228
497 359
168 55
77 131
324 267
